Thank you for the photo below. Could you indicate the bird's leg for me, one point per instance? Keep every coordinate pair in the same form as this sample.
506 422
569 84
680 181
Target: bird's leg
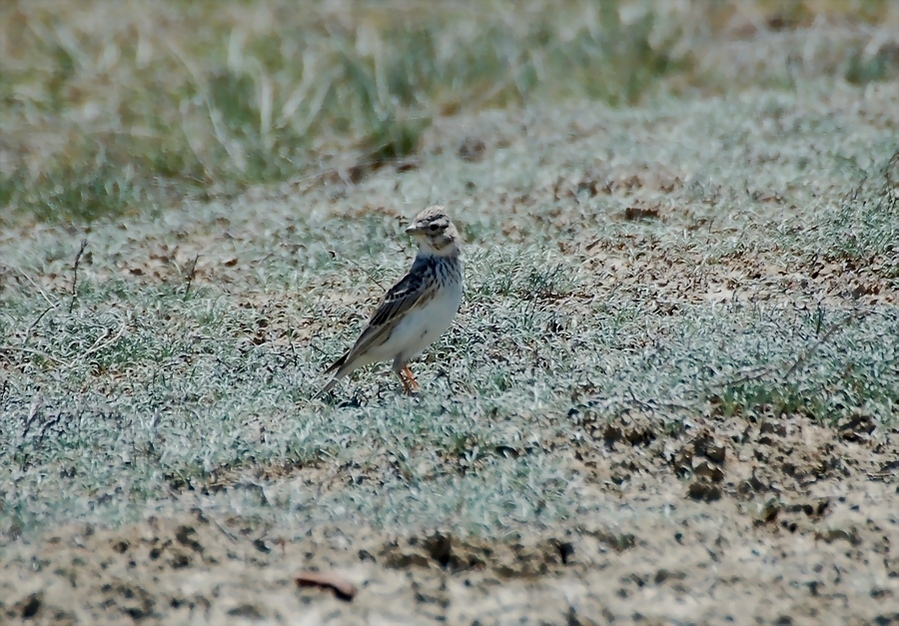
404 382
413 384
408 380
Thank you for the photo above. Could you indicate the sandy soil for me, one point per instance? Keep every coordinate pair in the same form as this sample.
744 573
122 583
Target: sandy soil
788 522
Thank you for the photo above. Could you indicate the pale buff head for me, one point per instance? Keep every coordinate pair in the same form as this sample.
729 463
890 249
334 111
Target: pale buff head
435 232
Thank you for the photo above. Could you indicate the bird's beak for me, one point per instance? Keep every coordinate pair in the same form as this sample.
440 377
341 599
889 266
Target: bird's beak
414 230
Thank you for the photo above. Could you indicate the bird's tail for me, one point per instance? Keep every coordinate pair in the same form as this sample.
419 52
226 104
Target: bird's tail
336 364
326 388
333 382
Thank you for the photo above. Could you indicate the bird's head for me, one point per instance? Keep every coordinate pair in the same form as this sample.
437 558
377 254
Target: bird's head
435 233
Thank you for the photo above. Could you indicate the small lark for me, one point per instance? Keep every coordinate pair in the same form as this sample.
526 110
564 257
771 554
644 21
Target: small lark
417 309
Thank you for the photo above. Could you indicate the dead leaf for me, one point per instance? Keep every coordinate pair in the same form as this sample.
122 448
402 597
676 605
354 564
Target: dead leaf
343 589
632 213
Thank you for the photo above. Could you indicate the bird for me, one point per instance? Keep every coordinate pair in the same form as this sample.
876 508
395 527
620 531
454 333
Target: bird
418 309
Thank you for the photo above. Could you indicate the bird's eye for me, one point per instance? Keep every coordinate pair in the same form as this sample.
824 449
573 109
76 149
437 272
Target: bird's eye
433 227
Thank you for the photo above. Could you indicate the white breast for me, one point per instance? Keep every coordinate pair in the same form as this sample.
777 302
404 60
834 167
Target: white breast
422 327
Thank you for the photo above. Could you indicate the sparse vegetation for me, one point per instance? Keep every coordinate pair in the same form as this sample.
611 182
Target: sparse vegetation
103 116
112 110
681 277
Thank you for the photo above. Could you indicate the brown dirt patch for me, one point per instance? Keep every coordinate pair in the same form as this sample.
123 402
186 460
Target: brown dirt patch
700 525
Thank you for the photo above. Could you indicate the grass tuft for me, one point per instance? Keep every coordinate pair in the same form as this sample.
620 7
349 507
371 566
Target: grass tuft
185 356
864 229
107 111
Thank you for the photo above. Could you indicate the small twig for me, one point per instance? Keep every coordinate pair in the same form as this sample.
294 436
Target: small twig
100 346
34 324
75 274
853 195
755 373
36 403
34 284
652 405
190 275
44 355
750 374
367 273
800 362
224 530
317 349
293 352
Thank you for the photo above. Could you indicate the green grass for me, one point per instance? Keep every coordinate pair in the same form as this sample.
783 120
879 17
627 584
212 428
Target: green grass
134 388
107 410
103 116
118 110
761 282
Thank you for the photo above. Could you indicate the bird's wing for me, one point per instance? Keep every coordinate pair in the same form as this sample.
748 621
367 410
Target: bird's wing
414 288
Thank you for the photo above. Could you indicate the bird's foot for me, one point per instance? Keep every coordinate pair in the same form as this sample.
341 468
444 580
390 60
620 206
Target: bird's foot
410 385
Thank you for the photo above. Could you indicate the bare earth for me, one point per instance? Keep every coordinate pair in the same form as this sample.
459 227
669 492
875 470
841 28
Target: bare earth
731 519
704 552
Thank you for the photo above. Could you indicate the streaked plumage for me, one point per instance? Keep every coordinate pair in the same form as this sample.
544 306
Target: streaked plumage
417 309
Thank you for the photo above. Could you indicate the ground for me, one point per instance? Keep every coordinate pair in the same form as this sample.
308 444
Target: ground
823 550
669 397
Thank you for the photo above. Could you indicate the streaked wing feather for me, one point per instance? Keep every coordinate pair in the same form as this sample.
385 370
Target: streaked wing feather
409 291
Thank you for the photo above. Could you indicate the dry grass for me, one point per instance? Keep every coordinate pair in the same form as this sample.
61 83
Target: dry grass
759 281
677 355
130 107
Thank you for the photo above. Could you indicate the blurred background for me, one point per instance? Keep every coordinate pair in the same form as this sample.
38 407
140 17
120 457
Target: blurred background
111 108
